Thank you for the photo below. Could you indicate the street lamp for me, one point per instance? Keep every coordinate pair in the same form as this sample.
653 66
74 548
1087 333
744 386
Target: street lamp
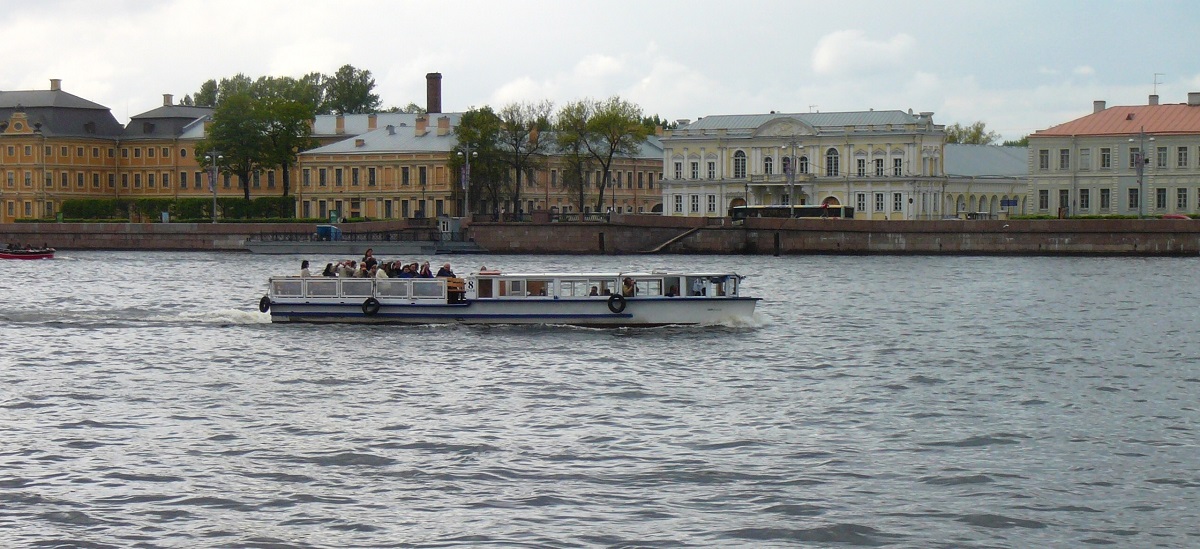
1139 165
791 174
466 176
213 158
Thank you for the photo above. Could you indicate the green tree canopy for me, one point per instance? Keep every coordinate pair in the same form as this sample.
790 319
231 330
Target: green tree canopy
615 129
973 134
349 91
236 135
478 132
1022 142
521 125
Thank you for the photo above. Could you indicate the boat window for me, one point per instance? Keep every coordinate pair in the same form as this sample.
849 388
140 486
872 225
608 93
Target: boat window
485 287
357 288
322 288
386 287
512 288
429 288
574 288
540 287
285 287
649 287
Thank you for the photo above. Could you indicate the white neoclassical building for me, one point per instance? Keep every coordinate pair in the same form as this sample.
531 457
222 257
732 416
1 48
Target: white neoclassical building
885 164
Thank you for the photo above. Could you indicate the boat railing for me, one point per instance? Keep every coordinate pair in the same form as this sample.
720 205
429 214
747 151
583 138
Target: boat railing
414 289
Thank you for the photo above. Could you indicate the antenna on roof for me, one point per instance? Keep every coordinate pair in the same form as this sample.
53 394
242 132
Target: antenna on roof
811 107
1157 82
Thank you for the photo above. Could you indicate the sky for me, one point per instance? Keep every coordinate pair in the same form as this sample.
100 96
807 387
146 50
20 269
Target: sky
1018 66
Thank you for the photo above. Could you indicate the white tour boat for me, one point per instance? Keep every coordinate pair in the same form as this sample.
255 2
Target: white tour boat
492 297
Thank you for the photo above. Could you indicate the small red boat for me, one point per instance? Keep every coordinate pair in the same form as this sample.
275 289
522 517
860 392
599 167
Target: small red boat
29 253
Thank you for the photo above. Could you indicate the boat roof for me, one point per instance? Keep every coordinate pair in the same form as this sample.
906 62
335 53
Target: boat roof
606 274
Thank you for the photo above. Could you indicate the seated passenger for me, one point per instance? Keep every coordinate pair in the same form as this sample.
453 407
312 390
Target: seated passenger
445 272
328 270
594 291
304 272
628 289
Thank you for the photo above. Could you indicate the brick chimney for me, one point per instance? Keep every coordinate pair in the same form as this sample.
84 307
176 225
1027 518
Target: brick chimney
55 84
1098 106
443 125
433 92
372 121
1194 99
1154 99
168 100
422 122
339 125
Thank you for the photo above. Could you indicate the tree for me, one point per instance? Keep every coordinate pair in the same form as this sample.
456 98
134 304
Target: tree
479 131
616 129
286 132
571 136
348 91
521 125
236 132
1022 142
974 134
207 95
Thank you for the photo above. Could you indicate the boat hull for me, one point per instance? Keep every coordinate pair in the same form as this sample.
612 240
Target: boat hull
657 311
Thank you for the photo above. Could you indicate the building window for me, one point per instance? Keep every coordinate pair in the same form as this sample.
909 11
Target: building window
712 170
803 165
1105 199
150 180
124 181
225 179
1181 159
861 202
166 180
650 180
137 180
678 203
897 167
712 203
862 167
768 165
739 165
695 171
1135 154
354 176
421 176
1162 157
271 179
370 177
95 152
63 180
1043 199
1105 158
95 181
1160 198
679 170
112 180
305 177
897 202
137 152
641 180
337 177
79 152
832 168
28 179
182 180
322 176
1044 159
879 202
1181 199
1064 200
1064 159
1085 200
1133 199
879 167
256 180
149 152
695 200
1085 159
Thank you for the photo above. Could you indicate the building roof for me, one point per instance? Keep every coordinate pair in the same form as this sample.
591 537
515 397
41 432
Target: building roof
1175 118
817 120
56 113
45 98
986 161
168 121
356 124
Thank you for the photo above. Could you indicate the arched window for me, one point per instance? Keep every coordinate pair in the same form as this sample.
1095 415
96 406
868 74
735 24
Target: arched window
831 163
739 165
767 165
787 165
803 164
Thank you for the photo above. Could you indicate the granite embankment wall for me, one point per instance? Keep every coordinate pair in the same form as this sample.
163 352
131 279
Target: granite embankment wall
628 234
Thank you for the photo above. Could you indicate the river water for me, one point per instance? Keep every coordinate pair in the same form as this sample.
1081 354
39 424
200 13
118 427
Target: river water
874 401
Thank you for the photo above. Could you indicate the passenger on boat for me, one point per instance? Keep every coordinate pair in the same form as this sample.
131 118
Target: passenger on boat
329 270
673 291
594 291
346 269
698 287
406 272
379 272
369 258
628 289
445 272
304 272
425 271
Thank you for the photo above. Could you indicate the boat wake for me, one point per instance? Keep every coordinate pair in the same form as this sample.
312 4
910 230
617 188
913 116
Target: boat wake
133 317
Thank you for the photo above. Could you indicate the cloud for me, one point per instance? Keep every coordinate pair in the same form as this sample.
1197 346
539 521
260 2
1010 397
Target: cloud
851 52
1084 70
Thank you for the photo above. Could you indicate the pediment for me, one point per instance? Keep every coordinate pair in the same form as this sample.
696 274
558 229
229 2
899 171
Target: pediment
784 127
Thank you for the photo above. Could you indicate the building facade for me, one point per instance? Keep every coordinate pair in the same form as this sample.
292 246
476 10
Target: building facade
1121 160
888 165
